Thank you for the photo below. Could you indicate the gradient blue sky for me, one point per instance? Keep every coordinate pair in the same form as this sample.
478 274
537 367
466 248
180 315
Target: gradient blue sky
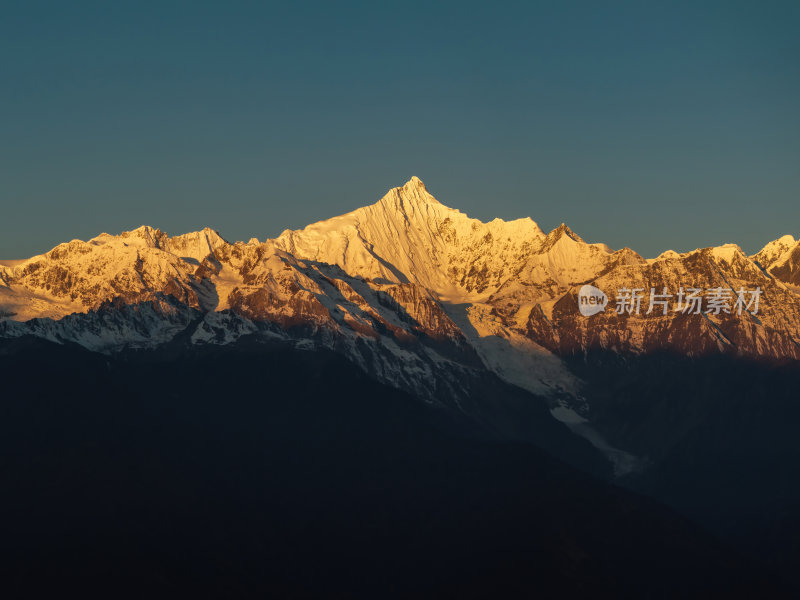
649 125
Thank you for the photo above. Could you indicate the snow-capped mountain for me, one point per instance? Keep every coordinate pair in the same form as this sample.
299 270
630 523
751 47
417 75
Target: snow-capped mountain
781 259
418 294
408 236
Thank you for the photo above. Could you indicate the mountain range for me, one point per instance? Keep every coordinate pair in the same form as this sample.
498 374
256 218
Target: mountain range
481 324
405 272
417 294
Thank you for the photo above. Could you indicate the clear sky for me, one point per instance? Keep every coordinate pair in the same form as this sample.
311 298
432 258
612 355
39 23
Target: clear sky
652 125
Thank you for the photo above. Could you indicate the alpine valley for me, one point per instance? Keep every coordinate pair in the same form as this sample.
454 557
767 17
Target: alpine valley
670 435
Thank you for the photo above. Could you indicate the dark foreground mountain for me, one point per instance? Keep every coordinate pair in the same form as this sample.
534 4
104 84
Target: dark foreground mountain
719 436
258 470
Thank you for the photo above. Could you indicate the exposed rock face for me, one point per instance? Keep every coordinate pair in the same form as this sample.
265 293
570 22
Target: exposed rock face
770 333
406 287
787 267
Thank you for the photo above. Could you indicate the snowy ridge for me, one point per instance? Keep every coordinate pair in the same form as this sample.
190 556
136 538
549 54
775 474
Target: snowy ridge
781 259
408 288
408 236
775 252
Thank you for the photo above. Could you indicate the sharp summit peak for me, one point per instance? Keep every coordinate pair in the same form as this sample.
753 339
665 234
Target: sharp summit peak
413 191
414 182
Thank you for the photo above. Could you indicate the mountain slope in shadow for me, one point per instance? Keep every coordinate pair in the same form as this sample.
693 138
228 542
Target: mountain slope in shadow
262 470
720 435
